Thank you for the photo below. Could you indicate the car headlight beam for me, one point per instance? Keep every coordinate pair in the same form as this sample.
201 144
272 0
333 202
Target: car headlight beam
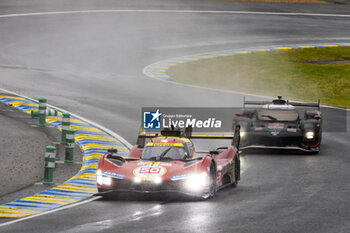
309 135
106 180
196 182
157 180
103 180
137 179
99 176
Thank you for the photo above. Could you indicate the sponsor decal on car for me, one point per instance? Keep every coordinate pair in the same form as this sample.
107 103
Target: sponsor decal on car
112 174
275 125
166 164
165 144
292 130
149 171
142 163
179 177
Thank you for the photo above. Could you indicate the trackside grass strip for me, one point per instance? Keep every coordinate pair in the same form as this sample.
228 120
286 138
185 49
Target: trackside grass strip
304 74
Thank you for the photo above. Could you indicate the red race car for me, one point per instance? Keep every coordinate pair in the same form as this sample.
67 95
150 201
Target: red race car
169 163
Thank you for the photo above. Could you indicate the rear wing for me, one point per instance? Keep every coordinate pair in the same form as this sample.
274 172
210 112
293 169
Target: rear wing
281 101
187 133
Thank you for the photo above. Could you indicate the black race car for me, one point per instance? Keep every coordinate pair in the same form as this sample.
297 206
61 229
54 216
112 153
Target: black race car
280 124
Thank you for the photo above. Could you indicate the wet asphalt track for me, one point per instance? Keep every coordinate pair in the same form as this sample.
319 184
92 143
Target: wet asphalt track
91 64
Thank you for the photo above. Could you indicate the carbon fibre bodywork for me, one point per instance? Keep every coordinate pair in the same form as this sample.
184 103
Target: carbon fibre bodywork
280 124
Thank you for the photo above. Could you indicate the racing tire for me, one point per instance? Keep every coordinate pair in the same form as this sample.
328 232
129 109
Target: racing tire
237 170
212 183
319 144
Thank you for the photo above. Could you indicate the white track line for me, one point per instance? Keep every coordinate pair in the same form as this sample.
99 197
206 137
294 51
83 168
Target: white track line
175 11
48 212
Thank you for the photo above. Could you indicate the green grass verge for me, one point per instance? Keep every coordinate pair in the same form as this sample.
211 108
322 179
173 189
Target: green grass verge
275 73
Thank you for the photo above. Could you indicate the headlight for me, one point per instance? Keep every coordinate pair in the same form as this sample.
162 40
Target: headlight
106 180
196 182
137 179
309 135
103 180
157 180
242 134
99 176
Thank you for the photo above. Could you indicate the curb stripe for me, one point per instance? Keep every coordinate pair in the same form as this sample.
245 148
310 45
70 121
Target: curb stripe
101 142
47 200
101 146
103 151
65 195
59 124
92 133
81 183
83 180
90 161
80 137
17 210
92 141
92 156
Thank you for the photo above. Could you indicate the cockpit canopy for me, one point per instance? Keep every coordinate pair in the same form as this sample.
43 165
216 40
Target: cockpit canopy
277 115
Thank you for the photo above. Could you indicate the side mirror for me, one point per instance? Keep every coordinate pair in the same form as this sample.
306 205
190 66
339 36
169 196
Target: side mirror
213 152
186 155
112 151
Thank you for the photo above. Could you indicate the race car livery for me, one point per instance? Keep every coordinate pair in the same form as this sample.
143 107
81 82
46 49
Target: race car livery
280 124
169 163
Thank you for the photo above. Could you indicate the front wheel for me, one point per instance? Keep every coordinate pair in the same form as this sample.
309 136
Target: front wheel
212 183
237 170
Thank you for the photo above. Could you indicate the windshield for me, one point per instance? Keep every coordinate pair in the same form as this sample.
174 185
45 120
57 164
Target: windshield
277 115
159 152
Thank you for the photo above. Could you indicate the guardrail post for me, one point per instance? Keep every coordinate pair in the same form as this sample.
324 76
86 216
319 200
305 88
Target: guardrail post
34 113
42 112
65 126
49 112
70 140
50 159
